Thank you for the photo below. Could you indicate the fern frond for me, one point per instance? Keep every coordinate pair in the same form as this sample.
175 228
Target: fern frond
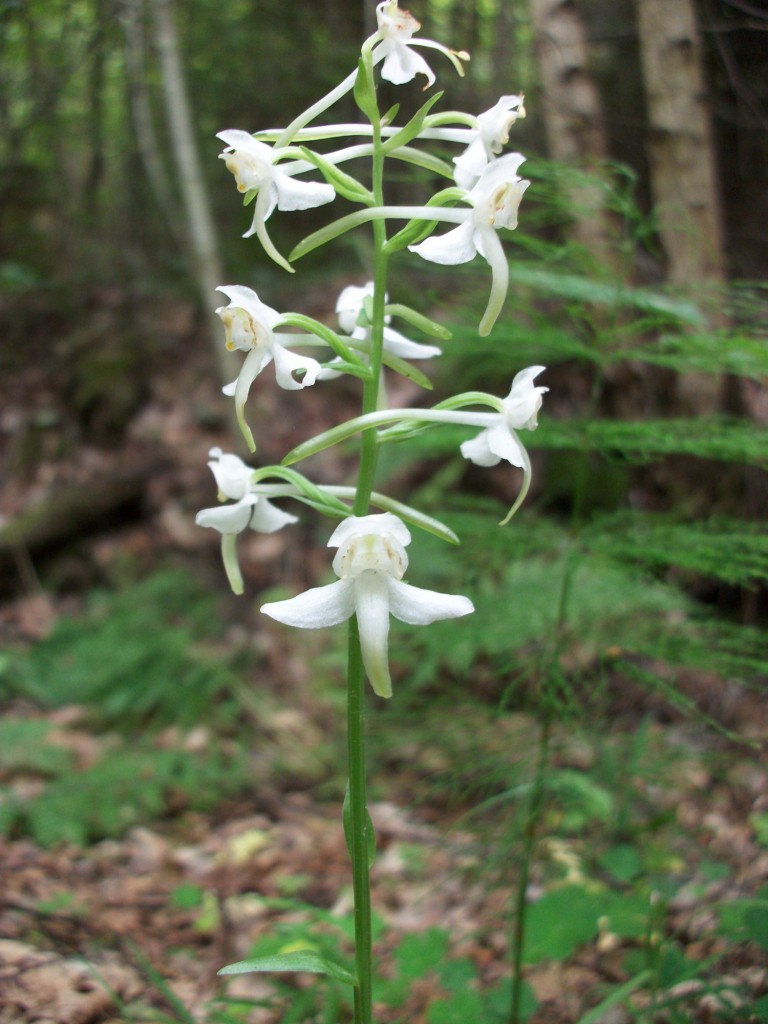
716 352
731 550
718 438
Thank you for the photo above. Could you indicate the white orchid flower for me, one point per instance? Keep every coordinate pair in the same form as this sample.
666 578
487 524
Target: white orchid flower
251 509
351 303
489 138
401 64
498 440
254 165
370 563
249 326
494 203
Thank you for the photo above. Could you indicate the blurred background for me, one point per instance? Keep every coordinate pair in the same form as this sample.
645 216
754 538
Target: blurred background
612 677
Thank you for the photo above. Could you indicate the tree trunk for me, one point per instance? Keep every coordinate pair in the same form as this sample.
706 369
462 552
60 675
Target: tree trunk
683 174
202 237
573 118
146 137
680 145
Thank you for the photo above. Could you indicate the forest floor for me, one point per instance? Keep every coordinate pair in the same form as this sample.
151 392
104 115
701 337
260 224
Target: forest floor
133 928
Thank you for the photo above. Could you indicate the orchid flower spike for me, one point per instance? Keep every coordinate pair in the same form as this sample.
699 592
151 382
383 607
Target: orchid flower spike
401 64
370 563
249 326
494 202
234 480
490 137
499 441
254 165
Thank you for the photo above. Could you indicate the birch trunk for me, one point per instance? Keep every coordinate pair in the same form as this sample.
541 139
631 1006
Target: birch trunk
573 118
680 147
683 173
205 259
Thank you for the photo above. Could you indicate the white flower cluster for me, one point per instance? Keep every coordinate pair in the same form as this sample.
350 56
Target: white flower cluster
486 191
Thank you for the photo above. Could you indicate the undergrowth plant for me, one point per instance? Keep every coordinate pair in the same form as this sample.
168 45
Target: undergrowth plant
481 196
649 507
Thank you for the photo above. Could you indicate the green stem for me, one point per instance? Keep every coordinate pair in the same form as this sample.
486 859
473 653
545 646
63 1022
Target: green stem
535 807
532 817
359 819
359 822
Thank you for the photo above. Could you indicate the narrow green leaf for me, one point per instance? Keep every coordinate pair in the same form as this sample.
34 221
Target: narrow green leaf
342 366
312 491
405 369
331 231
466 398
414 517
427 161
430 327
328 438
389 117
411 130
618 996
346 818
347 186
306 960
322 331
364 91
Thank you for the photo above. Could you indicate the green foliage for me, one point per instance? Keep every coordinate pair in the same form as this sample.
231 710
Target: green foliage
572 915
732 550
746 919
135 660
590 605
25 747
122 789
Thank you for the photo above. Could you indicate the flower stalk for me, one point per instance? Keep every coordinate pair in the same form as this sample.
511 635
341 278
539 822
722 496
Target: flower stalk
270 170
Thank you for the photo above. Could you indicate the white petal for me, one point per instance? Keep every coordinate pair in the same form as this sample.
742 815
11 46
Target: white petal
456 246
231 564
399 345
496 122
372 607
419 607
264 205
524 400
477 450
301 195
498 172
256 360
232 476
228 518
383 524
236 139
401 63
470 164
493 251
268 518
316 608
328 374
503 442
349 304
252 366
287 363
246 298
